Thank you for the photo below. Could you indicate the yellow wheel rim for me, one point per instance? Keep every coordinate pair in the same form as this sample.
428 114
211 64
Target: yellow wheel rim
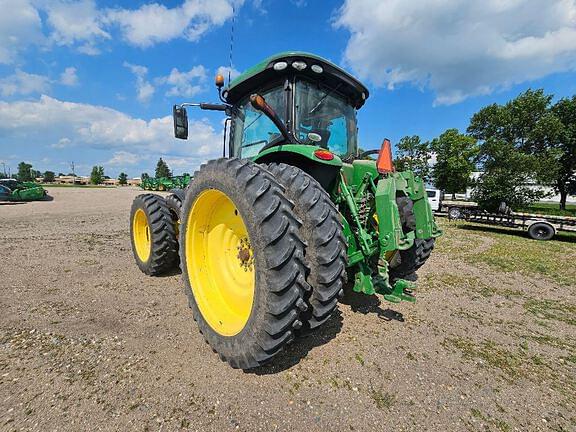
141 233
220 262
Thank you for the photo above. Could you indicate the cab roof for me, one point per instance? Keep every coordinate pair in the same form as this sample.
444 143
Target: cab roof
264 73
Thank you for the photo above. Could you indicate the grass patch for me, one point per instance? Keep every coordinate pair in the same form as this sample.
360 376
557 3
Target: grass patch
550 209
552 310
490 354
510 251
381 399
552 341
470 284
501 425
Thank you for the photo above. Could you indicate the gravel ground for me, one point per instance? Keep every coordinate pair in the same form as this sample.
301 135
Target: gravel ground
88 342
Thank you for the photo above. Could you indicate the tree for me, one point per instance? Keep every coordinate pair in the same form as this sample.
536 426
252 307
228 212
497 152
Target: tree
565 149
514 150
24 171
123 179
504 178
455 156
162 169
413 155
97 175
49 176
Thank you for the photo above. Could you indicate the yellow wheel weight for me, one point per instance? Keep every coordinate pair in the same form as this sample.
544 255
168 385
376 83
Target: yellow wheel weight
141 233
220 262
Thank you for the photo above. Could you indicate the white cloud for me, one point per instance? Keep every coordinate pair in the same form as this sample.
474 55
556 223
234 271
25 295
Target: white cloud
47 121
20 27
185 84
81 24
22 83
153 23
74 21
137 70
125 158
69 77
223 70
458 48
62 143
144 89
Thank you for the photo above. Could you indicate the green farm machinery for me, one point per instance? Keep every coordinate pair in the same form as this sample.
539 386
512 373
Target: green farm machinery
165 183
269 237
14 190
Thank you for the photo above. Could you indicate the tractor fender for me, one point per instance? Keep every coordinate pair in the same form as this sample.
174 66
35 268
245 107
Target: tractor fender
301 156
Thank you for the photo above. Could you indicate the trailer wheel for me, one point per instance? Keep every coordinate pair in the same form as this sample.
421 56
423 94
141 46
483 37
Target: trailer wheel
454 213
541 231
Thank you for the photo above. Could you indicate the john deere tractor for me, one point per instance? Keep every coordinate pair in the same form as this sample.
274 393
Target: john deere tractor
269 237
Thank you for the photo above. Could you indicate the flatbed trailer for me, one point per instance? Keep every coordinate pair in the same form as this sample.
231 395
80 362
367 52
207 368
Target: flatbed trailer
539 227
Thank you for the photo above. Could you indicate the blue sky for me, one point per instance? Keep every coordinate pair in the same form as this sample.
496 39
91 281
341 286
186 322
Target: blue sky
93 81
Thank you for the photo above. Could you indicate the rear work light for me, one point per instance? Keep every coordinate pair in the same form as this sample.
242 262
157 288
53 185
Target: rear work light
324 155
384 162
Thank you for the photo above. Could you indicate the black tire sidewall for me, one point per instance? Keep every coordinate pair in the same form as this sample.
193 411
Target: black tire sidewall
139 204
532 231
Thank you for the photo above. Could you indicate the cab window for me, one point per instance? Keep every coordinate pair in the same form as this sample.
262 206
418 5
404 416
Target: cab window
253 129
323 113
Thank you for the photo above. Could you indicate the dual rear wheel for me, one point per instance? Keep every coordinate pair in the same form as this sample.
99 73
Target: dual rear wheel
261 251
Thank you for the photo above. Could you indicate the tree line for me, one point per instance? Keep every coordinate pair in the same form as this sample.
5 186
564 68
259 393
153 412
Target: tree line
528 140
27 173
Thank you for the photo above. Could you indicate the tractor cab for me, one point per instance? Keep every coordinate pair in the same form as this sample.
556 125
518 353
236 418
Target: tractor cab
291 98
315 100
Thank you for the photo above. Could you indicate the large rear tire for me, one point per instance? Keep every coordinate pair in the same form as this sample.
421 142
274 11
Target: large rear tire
242 261
153 235
321 230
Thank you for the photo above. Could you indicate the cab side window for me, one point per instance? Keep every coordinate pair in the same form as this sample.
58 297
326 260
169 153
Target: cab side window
253 129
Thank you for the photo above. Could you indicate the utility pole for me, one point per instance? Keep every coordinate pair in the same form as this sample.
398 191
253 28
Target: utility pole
73 173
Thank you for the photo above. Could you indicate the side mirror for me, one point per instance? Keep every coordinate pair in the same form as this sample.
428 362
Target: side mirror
180 122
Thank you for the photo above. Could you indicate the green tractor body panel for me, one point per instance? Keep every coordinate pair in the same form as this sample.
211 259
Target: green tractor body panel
283 152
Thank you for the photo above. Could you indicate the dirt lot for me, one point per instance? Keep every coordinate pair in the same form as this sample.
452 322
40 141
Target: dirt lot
87 342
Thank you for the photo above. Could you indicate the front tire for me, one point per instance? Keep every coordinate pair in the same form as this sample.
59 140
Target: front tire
242 261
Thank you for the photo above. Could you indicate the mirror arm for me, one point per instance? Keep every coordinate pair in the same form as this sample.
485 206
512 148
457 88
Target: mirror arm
269 112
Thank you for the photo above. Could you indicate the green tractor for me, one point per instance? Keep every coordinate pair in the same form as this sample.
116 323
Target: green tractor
268 237
14 190
165 183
